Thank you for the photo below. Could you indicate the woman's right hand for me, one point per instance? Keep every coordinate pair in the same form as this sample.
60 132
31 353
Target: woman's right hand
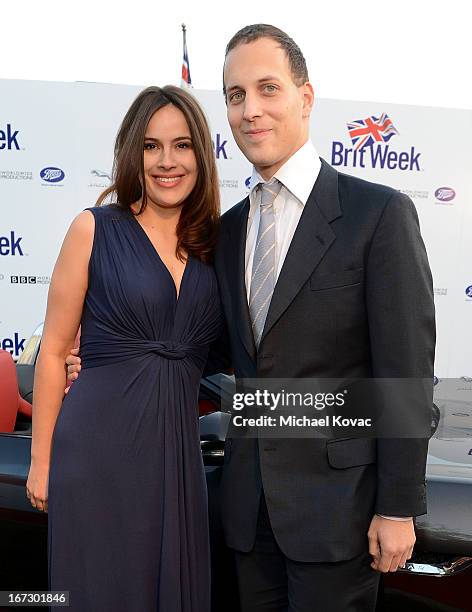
37 486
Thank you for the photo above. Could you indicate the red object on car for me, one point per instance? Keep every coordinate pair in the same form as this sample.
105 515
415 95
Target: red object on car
206 407
11 403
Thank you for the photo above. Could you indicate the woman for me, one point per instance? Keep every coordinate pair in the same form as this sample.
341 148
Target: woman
127 499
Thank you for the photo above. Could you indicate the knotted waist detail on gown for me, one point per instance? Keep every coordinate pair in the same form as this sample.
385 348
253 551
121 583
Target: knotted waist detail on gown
169 349
120 348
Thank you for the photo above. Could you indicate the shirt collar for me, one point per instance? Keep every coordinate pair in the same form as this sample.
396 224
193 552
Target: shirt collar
298 174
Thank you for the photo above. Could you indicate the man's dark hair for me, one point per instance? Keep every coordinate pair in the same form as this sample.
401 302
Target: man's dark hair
295 57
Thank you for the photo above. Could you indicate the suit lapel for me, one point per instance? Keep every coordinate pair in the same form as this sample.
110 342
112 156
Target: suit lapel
311 241
238 287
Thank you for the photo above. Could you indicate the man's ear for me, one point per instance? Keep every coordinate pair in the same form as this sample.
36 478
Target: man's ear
308 97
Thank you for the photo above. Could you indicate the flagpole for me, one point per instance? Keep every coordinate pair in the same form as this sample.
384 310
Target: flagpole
186 81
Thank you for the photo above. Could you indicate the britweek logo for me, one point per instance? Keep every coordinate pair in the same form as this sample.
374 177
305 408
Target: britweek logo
10 244
468 292
14 346
52 174
9 138
219 146
369 138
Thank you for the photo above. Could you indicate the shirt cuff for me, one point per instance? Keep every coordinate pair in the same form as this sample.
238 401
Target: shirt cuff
396 518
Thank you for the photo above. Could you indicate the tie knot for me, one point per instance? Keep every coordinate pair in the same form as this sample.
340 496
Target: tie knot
269 192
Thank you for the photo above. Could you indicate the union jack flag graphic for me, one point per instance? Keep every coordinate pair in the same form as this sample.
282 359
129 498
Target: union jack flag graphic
364 132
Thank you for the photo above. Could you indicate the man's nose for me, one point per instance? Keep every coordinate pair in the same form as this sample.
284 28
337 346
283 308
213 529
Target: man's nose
252 107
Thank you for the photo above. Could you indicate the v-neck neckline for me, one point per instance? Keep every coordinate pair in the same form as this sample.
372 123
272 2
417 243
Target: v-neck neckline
177 292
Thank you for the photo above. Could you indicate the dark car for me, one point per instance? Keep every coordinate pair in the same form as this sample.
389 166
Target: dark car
436 578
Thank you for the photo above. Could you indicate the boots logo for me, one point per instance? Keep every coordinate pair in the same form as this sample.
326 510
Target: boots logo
445 194
52 174
371 147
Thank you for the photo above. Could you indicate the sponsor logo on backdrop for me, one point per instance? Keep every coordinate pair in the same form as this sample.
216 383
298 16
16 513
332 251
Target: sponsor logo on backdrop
15 345
371 147
1 277
440 291
16 175
219 146
100 174
229 184
416 194
11 244
468 292
52 175
9 138
247 182
30 280
444 195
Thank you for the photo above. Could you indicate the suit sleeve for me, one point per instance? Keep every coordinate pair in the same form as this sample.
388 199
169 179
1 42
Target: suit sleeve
400 306
219 356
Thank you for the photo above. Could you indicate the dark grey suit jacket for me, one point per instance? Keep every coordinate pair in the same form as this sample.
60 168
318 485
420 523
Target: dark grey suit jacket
354 299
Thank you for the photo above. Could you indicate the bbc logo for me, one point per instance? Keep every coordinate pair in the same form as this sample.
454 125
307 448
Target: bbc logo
23 280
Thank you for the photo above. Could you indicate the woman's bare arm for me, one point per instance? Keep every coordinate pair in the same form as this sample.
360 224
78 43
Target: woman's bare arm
65 303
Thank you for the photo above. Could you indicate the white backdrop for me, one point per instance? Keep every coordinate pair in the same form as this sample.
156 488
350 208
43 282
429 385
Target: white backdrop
56 151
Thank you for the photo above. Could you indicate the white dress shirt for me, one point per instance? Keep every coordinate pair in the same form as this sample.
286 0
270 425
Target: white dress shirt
297 175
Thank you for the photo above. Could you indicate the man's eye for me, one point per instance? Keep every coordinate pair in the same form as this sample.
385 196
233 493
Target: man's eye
270 88
237 96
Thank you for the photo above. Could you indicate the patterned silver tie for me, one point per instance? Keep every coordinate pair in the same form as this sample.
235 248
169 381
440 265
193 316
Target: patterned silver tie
263 266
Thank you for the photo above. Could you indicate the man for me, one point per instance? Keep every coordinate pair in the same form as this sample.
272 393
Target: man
340 288
321 275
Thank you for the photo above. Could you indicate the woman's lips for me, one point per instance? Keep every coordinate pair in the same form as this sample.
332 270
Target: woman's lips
167 181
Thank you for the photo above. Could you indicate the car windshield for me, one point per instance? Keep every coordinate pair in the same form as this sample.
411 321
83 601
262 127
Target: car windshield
30 352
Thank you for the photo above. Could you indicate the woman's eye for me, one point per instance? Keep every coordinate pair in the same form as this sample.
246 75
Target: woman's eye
184 145
149 145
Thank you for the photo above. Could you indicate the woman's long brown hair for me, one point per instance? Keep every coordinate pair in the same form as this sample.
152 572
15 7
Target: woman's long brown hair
198 224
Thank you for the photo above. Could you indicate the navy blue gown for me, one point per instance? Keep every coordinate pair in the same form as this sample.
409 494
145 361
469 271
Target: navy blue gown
128 526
